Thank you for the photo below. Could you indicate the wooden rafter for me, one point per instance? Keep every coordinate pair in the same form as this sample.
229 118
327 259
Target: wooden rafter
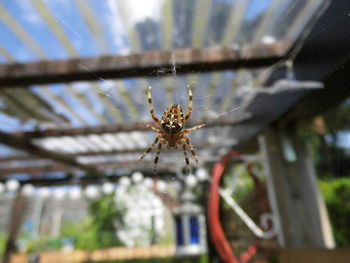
37 170
20 32
13 227
237 13
55 26
266 20
127 127
199 24
28 158
26 102
143 64
93 24
99 167
20 142
68 179
33 166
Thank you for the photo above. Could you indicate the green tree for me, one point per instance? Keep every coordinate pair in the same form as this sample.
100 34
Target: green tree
330 157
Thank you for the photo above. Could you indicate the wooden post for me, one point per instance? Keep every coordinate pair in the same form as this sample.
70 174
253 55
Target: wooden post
14 225
300 211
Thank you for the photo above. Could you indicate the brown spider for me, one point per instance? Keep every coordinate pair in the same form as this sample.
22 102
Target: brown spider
170 131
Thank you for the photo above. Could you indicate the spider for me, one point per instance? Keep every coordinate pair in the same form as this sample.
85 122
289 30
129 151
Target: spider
170 131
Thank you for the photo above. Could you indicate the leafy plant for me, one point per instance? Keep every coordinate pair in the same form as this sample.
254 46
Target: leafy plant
106 216
327 146
96 232
44 243
2 243
337 196
99 230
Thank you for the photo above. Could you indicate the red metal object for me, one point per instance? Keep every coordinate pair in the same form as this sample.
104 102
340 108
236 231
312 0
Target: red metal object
216 232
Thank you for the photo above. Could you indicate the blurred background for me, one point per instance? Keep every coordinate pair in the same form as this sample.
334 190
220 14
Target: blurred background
270 81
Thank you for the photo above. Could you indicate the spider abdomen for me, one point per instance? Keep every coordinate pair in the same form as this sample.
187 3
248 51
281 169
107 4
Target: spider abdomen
172 119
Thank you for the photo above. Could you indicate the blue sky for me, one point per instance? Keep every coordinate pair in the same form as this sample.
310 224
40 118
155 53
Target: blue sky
76 30
65 12
255 8
73 25
343 137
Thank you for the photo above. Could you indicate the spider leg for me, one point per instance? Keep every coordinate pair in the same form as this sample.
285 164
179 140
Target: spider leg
153 128
192 129
190 97
160 144
155 118
150 148
184 149
190 147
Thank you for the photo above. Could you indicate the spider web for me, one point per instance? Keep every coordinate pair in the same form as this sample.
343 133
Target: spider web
216 95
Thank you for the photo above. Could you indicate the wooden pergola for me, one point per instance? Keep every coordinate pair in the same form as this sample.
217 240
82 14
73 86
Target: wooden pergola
261 119
135 65
27 92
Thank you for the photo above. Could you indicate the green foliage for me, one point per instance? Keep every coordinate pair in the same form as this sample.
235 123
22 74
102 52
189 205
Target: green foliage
44 243
106 216
166 239
84 235
238 175
332 162
337 196
99 231
2 243
96 232
330 158
338 119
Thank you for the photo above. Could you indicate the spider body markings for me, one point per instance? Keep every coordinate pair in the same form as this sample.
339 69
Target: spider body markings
171 130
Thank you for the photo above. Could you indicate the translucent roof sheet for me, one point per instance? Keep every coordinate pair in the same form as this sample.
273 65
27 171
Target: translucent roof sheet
33 30
58 29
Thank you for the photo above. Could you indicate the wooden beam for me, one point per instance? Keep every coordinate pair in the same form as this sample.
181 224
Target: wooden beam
38 170
16 158
306 255
54 25
143 64
35 168
13 227
200 23
29 158
9 20
145 165
49 166
237 12
93 23
69 179
23 100
19 141
294 196
127 127
59 102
